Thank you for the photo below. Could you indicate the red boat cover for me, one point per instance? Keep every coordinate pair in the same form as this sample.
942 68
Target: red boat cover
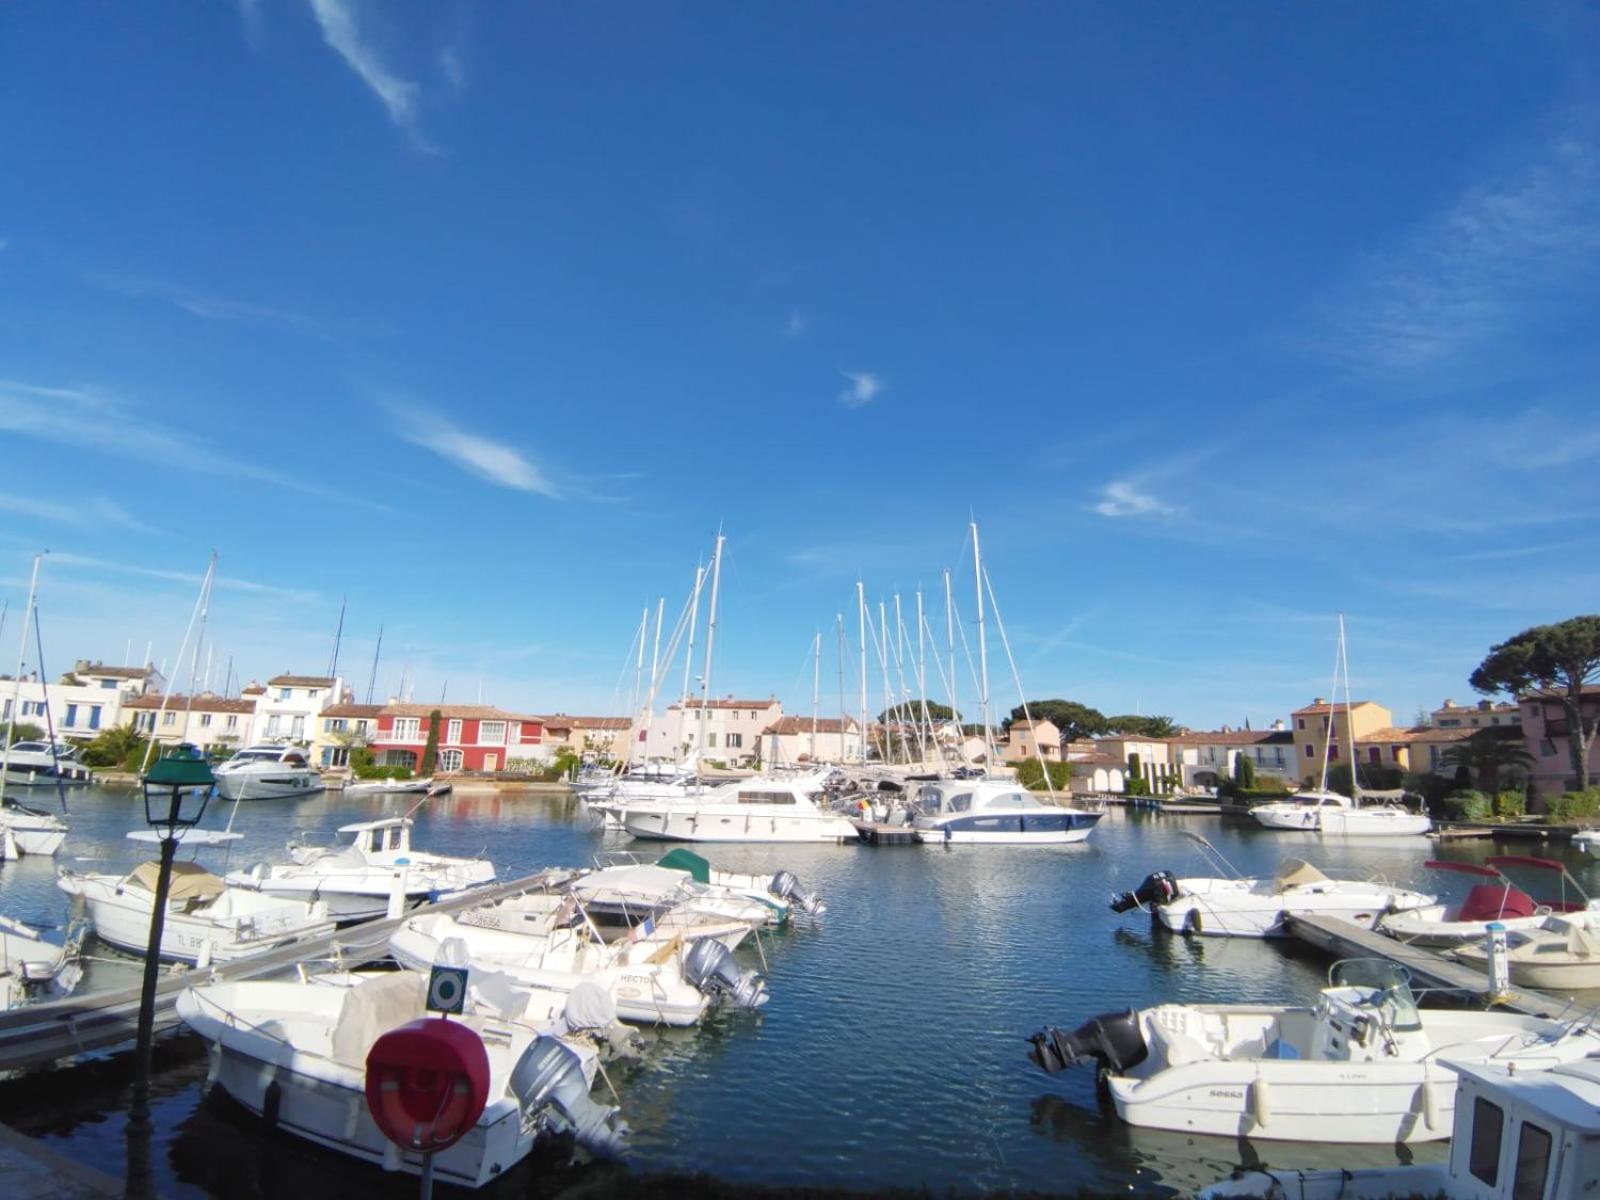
1489 902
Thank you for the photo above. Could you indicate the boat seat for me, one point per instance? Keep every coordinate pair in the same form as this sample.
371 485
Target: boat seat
1169 1035
374 1007
1490 901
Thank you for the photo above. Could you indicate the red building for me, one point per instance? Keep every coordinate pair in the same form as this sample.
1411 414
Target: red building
472 737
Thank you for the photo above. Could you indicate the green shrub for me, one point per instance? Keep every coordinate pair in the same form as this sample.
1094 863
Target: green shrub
1469 806
1510 803
1030 774
1244 773
115 747
26 731
1576 806
1137 787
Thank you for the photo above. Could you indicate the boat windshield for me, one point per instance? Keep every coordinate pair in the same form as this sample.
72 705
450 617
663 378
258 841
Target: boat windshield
1390 980
30 747
250 756
1011 800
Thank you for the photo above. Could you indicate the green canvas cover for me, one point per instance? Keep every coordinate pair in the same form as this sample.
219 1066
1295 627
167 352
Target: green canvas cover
686 860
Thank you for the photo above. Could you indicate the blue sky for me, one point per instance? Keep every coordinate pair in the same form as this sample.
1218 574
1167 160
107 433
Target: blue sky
1220 319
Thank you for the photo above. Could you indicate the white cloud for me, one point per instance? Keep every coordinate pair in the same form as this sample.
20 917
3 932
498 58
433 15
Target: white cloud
342 31
5 244
454 70
1473 273
865 387
794 327
1124 498
86 513
224 582
203 305
93 420
488 459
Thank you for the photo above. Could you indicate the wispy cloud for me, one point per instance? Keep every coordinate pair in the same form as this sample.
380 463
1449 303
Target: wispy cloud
90 419
205 305
224 582
88 513
794 327
342 31
452 68
1126 498
864 387
1473 274
496 462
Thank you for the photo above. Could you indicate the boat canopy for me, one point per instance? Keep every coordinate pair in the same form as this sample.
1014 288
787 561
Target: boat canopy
189 837
384 823
190 881
1294 872
1436 864
686 860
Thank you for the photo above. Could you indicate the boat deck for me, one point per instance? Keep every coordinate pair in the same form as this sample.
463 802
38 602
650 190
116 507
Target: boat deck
1342 939
98 1020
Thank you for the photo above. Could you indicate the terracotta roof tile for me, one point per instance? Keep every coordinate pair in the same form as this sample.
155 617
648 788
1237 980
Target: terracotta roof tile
303 681
802 725
202 703
352 710
465 712
767 703
1317 710
100 669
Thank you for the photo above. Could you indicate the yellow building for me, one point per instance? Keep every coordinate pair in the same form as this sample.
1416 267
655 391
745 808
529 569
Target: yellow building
1320 724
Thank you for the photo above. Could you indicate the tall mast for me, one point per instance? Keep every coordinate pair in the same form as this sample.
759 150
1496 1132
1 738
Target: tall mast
950 641
711 640
638 661
883 668
338 636
861 615
16 685
844 716
694 620
201 605
983 647
372 679
816 690
1349 719
655 682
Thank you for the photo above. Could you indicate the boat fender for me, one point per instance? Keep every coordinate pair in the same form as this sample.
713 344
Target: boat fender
271 1100
213 1065
1430 1107
1192 922
1111 1040
1260 1102
202 960
1158 888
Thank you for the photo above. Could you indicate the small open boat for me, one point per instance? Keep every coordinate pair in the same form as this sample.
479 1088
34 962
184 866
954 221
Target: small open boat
1442 925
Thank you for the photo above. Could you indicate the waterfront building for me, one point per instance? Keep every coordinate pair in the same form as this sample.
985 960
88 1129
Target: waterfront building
217 724
1206 758
340 727
1031 739
1150 759
472 737
87 699
288 706
1486 714
1320 724
1547 737
732 729
603 737
793 739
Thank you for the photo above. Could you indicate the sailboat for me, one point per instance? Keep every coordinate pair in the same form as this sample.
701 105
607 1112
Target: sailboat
1333 813
25 829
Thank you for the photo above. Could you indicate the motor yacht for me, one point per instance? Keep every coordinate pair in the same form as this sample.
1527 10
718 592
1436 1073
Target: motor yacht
295 1053
39 764
267 773
358 879
750 810
1363 1065
997 811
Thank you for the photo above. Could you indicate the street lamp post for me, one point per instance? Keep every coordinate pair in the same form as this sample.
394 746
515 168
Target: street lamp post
176 789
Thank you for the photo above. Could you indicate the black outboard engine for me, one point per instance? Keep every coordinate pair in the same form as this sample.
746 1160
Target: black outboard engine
710 967
1156 889
786 887
1112 1040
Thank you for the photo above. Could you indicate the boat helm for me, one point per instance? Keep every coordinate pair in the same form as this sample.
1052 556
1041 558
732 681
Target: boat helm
786 887
1112 1040
710 967
1157 889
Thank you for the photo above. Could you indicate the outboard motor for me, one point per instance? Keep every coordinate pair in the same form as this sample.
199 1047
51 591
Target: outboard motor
549 1075
1156 889
1112 1040
710 967
786 887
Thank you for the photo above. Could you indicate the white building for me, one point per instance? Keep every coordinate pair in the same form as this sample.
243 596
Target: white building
288 708
732 730
215 723
791 740
1205 759
89 698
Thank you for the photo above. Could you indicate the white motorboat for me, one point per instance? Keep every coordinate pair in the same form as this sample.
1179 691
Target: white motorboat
388 787
30 830
1334 814
358 879
649 980
749 810
1561 954
207 921
29 964
1256 908
996 811
39 764
1364 1065
1517 1135
295 1054
618 899
267 773
1439 926
781 890
1587 840
545 913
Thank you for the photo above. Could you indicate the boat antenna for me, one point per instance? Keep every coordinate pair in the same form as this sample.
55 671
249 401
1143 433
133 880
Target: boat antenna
338 636
372 679
49 721
16 684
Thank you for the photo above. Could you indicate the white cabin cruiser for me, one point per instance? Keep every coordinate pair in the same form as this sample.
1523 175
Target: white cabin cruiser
28 964
1440 926
207 920
358 879
39 764
1561 954
1256 908
544 914
617 899
267 773
749 810
388 787
1517 1135
650 980
1334 814
295 1053
1363 1065
29 830
998 811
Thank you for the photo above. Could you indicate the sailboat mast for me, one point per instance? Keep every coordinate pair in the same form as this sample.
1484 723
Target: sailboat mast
983 647
816 690
22 655
861 617
711 639
844 715
950 642
1349 718
694 621
201 603
638 661
372 679
338 636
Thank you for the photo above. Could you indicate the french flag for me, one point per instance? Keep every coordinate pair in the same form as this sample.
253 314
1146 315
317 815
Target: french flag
642 930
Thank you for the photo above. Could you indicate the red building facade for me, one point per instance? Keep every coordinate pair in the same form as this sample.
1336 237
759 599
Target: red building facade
472 737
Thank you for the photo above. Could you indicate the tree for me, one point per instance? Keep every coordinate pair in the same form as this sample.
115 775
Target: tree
26 731
1487 753
113 747
1244 772
1136 726
430 749
1558 659
1074 720
911 710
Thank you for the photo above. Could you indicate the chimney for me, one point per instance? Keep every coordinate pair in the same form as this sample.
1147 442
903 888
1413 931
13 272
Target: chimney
1278 726
1449 703
1319 700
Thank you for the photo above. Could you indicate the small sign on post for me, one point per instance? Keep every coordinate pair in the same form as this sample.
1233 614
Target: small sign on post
447 990
1499 965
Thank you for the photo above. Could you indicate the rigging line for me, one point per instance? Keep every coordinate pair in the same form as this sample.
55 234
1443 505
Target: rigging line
994 607
194 615
49 723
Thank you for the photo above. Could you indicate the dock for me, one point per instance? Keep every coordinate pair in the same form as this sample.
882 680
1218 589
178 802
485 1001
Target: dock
35 1034
1343 939
877 833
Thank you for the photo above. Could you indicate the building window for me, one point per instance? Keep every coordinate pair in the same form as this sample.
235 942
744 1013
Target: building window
711 740
491 733
1374 754
285 693
335 756
298 731
453 732
449 760
736 741
1300 723
72 715
1333 751
405 729
1488 1122
1533 1163
108 683
333 725
205 720
94 716
168 718
1311 751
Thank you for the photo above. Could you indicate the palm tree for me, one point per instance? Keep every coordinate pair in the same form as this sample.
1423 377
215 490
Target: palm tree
1487 753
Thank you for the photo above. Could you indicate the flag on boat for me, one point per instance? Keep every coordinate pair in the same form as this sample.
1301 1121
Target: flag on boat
642 930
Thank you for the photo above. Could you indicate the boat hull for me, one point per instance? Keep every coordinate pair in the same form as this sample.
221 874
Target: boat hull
1238 912
278 785
690 826
1031 828
43 842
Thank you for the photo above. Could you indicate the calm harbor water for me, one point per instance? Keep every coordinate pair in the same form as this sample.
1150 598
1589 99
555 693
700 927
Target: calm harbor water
892 1050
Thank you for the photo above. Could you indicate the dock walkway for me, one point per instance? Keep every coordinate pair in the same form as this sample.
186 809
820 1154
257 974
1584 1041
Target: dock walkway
33 1171
41 1033
1342 939
877 833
